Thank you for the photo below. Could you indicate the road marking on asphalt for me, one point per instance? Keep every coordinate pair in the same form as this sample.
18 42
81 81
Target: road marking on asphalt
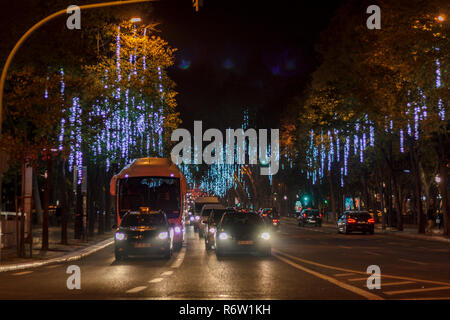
373 253
156 280
412 261
21 273
398 283
390 293
344 274
137 289
428 298
358 279
341 284
356 271
52 266
167 273
179 260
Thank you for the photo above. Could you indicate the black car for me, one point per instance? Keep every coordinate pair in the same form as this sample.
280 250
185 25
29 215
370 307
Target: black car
144 233
310 217
356 221
271 217
211 225
242 231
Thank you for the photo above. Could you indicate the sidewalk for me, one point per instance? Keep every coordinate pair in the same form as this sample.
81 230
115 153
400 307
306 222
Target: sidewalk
409 231
57 252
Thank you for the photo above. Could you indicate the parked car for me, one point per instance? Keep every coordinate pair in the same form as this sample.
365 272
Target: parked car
352 221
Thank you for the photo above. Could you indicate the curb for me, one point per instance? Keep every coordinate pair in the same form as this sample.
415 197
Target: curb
77 255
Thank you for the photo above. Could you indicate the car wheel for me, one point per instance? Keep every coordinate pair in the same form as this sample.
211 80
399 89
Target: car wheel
345 230
207 245
371 231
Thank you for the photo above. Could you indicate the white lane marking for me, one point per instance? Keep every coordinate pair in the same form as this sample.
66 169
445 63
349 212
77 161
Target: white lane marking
52 266
179 260
374 253
344 274
21 273
412 261
343 285
359 279
137 289
390 293
398 283
167 273
156 280
356 271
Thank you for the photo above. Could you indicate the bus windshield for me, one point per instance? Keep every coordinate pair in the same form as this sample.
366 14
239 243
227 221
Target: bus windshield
153 192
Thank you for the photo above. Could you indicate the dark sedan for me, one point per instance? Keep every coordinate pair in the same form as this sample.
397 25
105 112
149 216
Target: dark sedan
242 231
310 217
356 221
144 233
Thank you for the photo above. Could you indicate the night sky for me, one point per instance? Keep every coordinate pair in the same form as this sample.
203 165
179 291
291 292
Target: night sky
241 54
232 55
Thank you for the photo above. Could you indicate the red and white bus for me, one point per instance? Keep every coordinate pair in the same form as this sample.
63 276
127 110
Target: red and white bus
153 183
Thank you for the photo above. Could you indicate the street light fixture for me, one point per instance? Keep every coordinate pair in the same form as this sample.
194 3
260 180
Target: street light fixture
440 18
135 20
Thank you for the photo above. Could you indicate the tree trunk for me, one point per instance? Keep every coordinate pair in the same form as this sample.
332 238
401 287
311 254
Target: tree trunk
46 203
37 197
64 204
332 197
417 187
443 185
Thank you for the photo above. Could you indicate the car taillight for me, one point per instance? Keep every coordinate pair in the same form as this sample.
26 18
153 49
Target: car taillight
304 216
320 215
371 220
275 220
351 220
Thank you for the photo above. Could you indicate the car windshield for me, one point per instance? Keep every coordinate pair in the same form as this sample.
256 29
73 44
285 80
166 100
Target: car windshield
312 212
147 220
242 219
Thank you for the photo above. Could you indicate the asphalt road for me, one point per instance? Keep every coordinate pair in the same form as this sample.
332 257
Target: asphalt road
306 263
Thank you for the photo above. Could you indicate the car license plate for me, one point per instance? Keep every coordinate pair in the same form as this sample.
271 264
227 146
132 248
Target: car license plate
142 245
245 242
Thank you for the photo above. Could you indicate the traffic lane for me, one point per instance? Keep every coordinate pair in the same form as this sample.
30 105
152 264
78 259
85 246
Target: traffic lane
238 276
414 257
357 252
102 277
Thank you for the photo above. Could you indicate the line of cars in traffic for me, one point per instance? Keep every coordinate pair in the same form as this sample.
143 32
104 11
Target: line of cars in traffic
229 229
350 221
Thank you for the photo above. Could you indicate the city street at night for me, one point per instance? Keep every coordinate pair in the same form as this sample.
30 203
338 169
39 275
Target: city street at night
307 263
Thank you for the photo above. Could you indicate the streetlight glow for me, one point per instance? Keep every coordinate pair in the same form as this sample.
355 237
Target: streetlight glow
134 20
441 18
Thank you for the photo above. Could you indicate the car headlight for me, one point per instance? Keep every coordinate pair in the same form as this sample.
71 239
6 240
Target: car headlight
177 229
120 236
191 218
197 218
265 235
223 236
212 229
163 235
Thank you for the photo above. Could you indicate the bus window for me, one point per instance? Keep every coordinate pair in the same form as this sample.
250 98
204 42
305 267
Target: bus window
153 192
